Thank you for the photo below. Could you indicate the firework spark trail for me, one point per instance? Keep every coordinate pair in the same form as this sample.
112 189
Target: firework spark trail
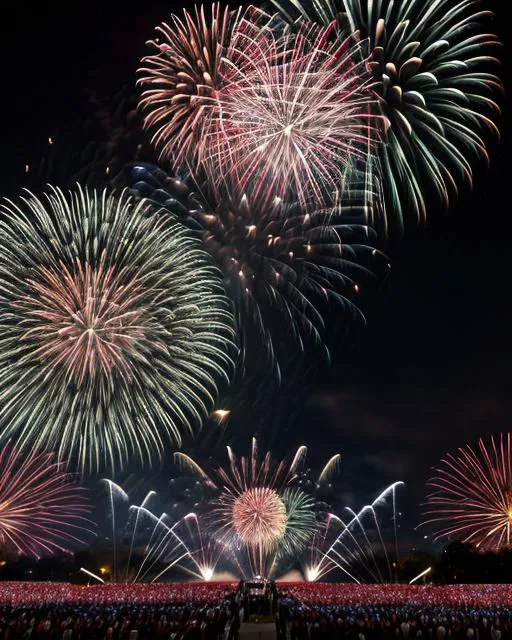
160 547
41 507
438 87
471 495
354 549
116 330
205 551
143 504
163 547
292 123
114 488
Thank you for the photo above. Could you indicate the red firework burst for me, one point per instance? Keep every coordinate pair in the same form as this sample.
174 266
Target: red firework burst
471 496
259 516
41 507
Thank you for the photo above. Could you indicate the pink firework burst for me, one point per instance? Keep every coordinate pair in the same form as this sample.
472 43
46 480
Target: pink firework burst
87 319
42 510
195 58
259 516
295 118
471 497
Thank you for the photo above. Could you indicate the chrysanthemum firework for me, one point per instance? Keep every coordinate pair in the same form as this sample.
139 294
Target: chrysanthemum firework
195 58
291 122
115 327
470 496
260 505
436 69
42 509
259 516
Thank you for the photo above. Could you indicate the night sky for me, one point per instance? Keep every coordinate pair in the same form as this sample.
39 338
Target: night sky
430 372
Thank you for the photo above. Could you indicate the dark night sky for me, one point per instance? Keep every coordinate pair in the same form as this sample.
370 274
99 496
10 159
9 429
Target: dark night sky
432 369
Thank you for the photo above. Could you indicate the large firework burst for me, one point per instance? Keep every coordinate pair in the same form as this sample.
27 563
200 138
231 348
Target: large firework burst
436 69
42 510
261 505
290 123
259 516
471 495
115 328
289 271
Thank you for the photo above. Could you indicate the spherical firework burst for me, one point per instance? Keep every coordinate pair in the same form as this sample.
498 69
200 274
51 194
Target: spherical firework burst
291 123
287 269
195 58
471 495
437 79
42 510
259 516
258 505
115 327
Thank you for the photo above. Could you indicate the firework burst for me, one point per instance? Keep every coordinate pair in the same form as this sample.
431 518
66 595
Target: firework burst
259 516
195 58
436 70
290 273
115 327
260 506
290 124
42 510
471 495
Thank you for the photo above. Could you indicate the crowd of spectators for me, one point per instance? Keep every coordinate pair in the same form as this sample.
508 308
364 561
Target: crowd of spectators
394 612
200 593
48 611
212 611
455 595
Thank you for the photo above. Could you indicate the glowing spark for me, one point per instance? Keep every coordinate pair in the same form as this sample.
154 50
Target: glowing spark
420 575
92 575
221 415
